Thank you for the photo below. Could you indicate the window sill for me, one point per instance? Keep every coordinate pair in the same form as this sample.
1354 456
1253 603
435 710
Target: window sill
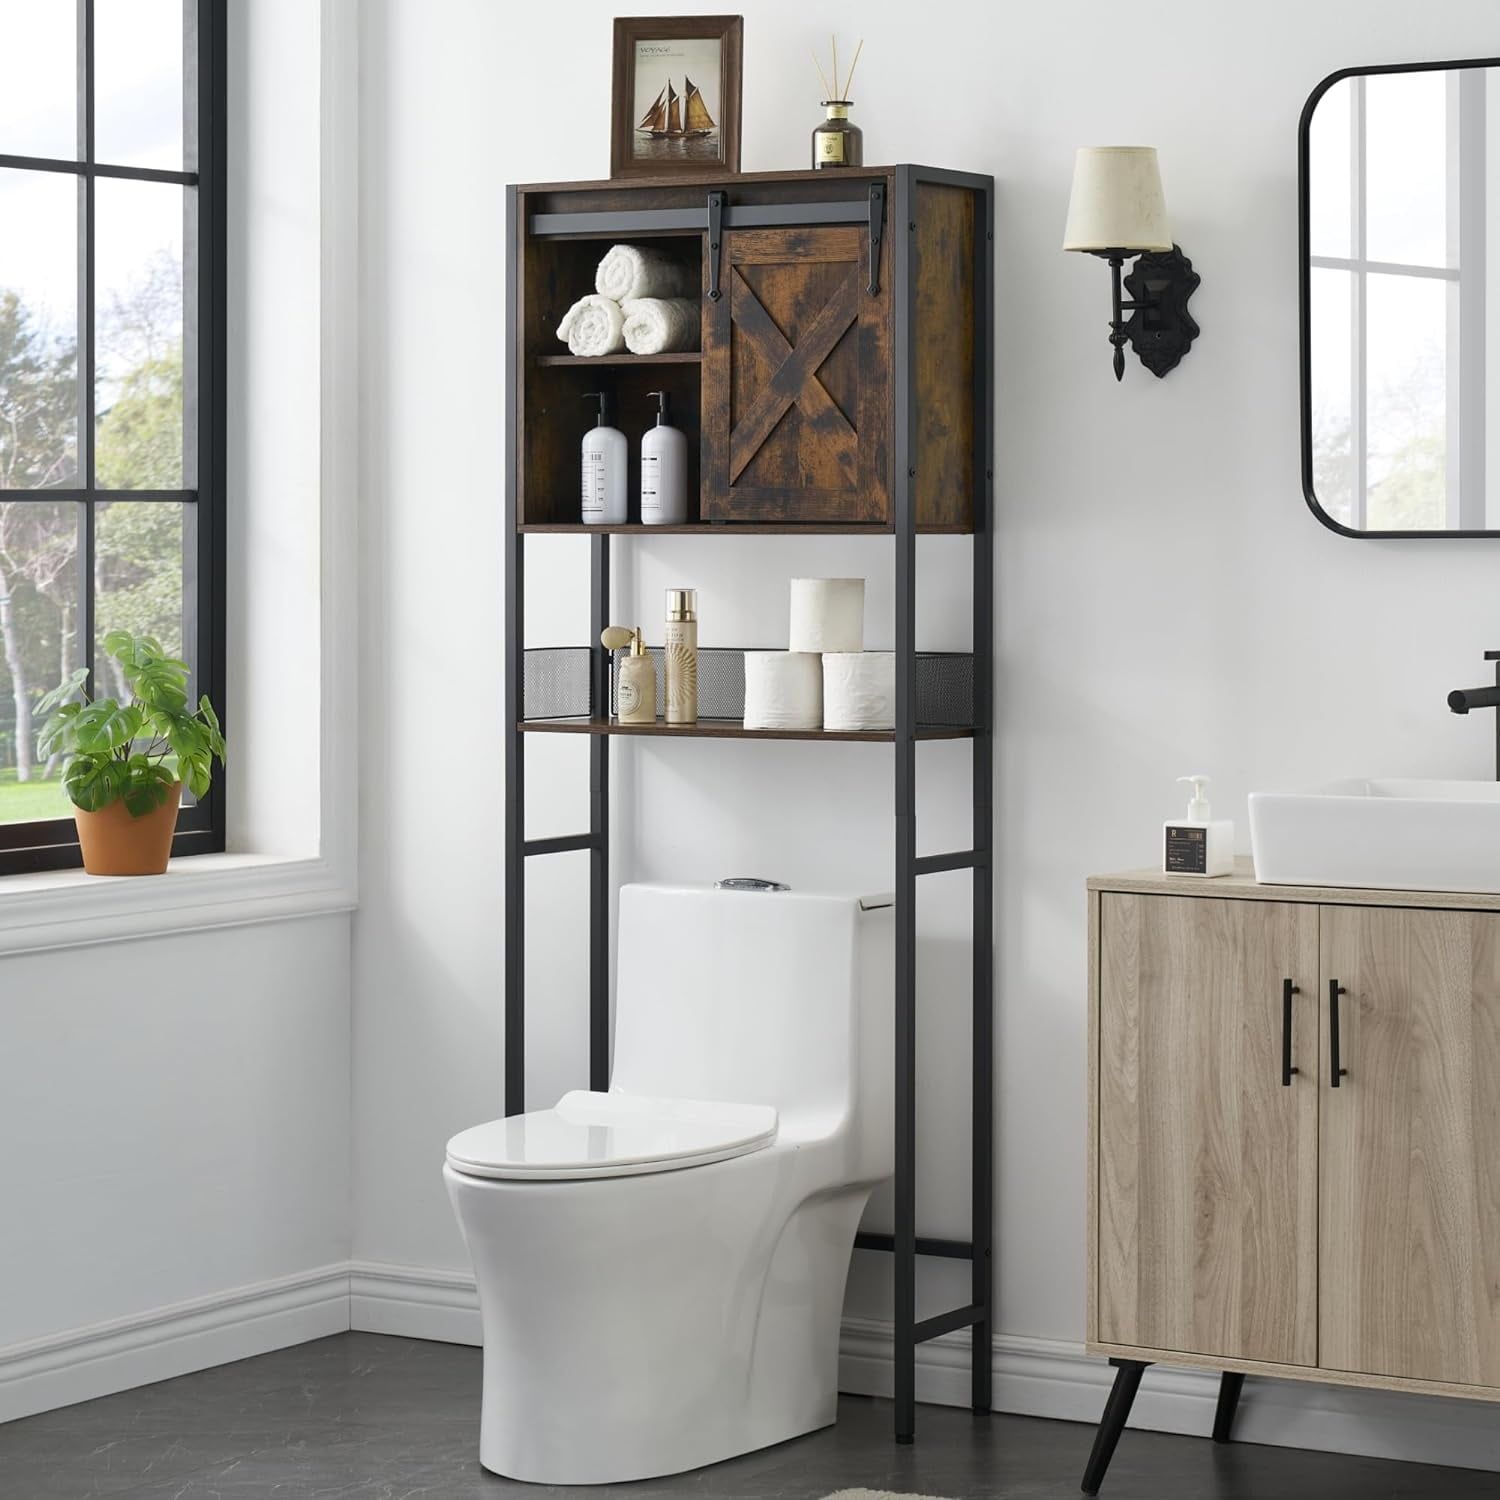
68 909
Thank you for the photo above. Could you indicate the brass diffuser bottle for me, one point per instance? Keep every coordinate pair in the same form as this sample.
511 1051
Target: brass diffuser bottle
837 142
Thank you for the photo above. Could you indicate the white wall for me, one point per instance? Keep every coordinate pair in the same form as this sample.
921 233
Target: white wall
1167 603
175 1113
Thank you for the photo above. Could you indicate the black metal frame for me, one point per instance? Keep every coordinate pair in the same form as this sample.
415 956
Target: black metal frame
53 843
1304 284
900 263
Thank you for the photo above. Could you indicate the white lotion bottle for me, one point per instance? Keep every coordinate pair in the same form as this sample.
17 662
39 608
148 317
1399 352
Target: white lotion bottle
663 470
605 496
1198 844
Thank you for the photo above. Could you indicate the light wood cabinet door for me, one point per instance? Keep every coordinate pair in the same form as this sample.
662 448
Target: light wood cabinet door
1410 1192
1207 1161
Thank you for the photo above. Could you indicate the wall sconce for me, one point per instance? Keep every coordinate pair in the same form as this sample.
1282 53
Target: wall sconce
1118 211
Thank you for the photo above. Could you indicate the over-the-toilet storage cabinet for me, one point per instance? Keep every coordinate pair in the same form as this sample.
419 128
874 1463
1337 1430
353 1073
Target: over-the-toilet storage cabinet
1250 1217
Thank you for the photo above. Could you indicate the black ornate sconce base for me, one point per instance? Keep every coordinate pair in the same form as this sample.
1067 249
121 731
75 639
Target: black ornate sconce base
1160 328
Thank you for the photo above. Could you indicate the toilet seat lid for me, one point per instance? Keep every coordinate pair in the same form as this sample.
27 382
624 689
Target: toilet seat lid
611 1135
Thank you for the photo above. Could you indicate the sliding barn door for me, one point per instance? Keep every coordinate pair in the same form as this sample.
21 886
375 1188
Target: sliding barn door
797 380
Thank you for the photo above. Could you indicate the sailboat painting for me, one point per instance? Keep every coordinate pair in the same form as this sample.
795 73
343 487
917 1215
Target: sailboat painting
677 90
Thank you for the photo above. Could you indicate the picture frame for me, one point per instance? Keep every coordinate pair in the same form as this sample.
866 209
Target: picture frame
675 103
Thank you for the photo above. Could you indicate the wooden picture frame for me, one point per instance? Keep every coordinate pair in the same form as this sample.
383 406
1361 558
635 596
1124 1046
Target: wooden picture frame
664 122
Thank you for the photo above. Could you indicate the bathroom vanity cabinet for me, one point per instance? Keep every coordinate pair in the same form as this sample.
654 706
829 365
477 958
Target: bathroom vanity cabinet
1294 1122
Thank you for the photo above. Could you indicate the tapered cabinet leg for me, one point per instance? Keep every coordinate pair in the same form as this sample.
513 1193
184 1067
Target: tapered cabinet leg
1128 1374
1230 1385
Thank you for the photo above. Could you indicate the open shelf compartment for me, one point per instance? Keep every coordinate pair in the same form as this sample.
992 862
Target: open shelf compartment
557 698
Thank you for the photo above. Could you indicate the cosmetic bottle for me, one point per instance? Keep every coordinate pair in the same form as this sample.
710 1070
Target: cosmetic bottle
635 682
604 491
682 656
663 470
1198 844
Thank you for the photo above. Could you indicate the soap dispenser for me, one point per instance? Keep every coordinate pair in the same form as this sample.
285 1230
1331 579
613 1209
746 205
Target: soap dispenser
1197 844
605 497
663 470
635 682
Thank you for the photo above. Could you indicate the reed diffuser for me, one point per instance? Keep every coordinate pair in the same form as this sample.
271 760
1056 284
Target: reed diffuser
837 142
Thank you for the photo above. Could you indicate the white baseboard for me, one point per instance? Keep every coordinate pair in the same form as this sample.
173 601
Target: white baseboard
106 1357
1032 1377
1052 1378
414 1302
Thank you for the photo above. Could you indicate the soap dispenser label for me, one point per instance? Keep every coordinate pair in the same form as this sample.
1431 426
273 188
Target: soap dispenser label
1187 851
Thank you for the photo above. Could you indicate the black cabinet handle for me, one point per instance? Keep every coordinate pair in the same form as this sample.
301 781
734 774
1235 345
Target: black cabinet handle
1288 989
1335 989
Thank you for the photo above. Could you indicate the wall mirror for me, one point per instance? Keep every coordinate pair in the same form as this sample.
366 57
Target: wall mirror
1399 179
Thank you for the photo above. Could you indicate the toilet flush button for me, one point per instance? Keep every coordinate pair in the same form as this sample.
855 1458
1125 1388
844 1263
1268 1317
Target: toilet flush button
748 883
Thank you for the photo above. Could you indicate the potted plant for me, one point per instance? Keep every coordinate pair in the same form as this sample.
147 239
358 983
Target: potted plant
127 763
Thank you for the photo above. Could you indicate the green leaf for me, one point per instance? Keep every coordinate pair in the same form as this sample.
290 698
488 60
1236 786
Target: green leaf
105 726
93 782
63 691
144 795
57 737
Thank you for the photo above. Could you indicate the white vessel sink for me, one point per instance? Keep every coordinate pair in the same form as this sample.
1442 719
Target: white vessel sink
1387 835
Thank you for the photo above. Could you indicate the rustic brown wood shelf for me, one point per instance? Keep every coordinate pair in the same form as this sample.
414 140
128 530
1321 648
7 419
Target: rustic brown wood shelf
734 729
606 360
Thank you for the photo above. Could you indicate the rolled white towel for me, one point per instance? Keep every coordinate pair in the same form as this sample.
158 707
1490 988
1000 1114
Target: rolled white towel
593 326
631 271
661 325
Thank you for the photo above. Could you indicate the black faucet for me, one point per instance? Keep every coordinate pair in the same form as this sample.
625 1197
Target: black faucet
1461 700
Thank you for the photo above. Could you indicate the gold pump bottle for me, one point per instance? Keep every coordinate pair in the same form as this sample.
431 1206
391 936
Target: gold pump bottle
681 640
635 682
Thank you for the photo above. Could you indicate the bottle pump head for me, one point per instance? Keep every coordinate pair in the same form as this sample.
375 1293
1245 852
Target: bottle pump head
663 403
1198 809
602 397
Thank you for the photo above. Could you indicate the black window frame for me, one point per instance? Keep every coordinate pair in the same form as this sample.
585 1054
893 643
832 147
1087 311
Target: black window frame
52 844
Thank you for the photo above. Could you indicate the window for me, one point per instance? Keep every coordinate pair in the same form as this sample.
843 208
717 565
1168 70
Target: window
1397 300
111 371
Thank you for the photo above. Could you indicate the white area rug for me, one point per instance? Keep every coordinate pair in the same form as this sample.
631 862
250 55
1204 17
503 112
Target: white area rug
877 1495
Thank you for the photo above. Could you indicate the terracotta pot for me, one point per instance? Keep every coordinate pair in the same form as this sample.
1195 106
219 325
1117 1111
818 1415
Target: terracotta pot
115 843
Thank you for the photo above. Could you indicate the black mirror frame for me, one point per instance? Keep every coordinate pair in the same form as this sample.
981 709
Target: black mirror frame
1304 289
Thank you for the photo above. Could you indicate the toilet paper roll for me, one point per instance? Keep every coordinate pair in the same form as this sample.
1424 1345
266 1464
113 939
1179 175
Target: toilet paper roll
783 690
859 690
828 614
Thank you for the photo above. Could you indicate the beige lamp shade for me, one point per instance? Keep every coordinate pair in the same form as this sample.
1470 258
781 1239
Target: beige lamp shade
1117 201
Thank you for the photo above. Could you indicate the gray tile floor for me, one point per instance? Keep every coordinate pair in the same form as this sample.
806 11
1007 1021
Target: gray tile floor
364 1417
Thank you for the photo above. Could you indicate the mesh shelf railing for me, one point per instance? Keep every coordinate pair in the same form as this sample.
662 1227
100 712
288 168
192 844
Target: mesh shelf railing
555 685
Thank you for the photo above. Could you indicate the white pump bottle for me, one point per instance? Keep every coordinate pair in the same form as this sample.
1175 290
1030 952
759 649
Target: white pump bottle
1198 844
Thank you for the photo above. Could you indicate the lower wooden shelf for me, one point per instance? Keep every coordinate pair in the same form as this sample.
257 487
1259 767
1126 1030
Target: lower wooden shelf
734 729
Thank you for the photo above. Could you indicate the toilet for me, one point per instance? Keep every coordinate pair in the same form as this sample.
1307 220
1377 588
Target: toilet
661 1267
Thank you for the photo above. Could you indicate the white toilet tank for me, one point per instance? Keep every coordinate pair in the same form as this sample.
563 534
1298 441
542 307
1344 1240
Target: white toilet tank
757 997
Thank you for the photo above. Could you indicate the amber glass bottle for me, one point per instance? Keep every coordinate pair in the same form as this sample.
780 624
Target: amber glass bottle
837 142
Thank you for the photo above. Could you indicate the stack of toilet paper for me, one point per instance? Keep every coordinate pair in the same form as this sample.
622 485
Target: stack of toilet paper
827 679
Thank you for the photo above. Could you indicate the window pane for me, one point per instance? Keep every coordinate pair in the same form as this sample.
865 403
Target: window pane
39 614
38 330
39 99
138 82
1406 168
1332 380
138 357
1331 172
1406 381
138 578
